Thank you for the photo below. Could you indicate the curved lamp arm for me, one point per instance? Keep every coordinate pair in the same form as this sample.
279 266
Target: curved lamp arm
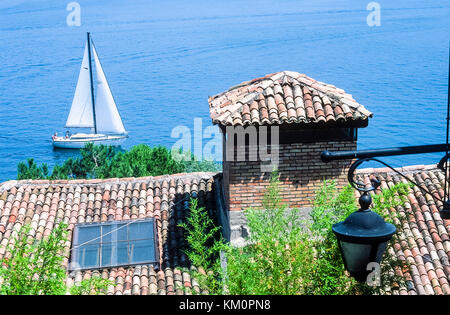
376 183
361 186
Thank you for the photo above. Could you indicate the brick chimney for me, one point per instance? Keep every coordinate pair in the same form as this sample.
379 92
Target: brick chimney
297 117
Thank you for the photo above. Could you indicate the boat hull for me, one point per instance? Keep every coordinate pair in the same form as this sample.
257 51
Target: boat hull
75 142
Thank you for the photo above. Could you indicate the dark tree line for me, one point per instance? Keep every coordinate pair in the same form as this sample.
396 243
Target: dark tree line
109 162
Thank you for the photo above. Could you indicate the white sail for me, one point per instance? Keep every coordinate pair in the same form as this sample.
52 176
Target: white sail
107 116
81 114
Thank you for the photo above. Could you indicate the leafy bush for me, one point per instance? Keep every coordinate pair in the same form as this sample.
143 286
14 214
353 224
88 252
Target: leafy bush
286 254
278 257
109 162
92 286
328 274
141 161
36 267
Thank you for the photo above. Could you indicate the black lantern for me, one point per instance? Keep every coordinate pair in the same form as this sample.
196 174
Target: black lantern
362 238
364 235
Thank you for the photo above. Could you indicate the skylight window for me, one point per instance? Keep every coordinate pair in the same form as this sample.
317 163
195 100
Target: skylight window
113 244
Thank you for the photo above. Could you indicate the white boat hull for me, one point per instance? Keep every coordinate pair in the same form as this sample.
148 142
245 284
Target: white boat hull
77 141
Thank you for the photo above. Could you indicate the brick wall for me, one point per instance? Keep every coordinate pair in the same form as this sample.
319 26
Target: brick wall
301 173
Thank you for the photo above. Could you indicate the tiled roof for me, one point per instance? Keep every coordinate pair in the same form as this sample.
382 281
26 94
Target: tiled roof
41 203
284 97
422 239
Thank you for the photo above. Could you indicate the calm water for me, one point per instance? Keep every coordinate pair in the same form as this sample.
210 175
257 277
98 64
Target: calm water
164 58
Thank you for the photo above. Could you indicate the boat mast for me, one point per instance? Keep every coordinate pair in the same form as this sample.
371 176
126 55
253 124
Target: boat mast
92 83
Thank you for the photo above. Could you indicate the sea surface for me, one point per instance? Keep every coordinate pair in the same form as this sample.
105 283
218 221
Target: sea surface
164 58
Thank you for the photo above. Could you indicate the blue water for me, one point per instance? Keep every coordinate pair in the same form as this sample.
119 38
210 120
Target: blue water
164 58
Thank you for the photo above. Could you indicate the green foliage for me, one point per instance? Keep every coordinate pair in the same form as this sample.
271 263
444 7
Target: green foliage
277 258
330 206
327 276
393 197
285 254
92 286
31 170
36 267
190 164
109 162
284 258
142 160
204 246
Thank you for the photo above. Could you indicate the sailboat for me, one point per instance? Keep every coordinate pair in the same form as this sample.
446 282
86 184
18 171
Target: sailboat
98 112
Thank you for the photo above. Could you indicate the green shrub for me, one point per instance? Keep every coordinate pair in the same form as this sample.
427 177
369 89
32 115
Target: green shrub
30 170
36 267
277 256
286 254
328 276
330 206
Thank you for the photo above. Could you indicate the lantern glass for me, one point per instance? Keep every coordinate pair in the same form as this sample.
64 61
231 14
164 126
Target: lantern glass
358 256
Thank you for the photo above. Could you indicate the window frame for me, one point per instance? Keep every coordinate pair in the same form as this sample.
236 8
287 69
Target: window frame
76 251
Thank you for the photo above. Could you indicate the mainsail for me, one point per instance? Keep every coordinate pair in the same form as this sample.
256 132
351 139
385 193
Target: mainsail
107 116
81 112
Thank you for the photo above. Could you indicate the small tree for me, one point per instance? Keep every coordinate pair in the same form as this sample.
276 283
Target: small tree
34 267
204 246
93 286
328 276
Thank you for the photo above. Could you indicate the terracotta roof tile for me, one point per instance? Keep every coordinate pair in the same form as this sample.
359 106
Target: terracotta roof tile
273 98
43 204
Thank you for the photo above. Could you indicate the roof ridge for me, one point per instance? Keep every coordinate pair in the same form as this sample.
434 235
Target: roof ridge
302 78
31 182
271 76
249 82
287 103
402 169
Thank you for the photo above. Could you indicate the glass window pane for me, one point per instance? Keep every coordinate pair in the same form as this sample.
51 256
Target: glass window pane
114 232
88 233
115 254
141 230
108 255
142 251
356 256
88 256
122 253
